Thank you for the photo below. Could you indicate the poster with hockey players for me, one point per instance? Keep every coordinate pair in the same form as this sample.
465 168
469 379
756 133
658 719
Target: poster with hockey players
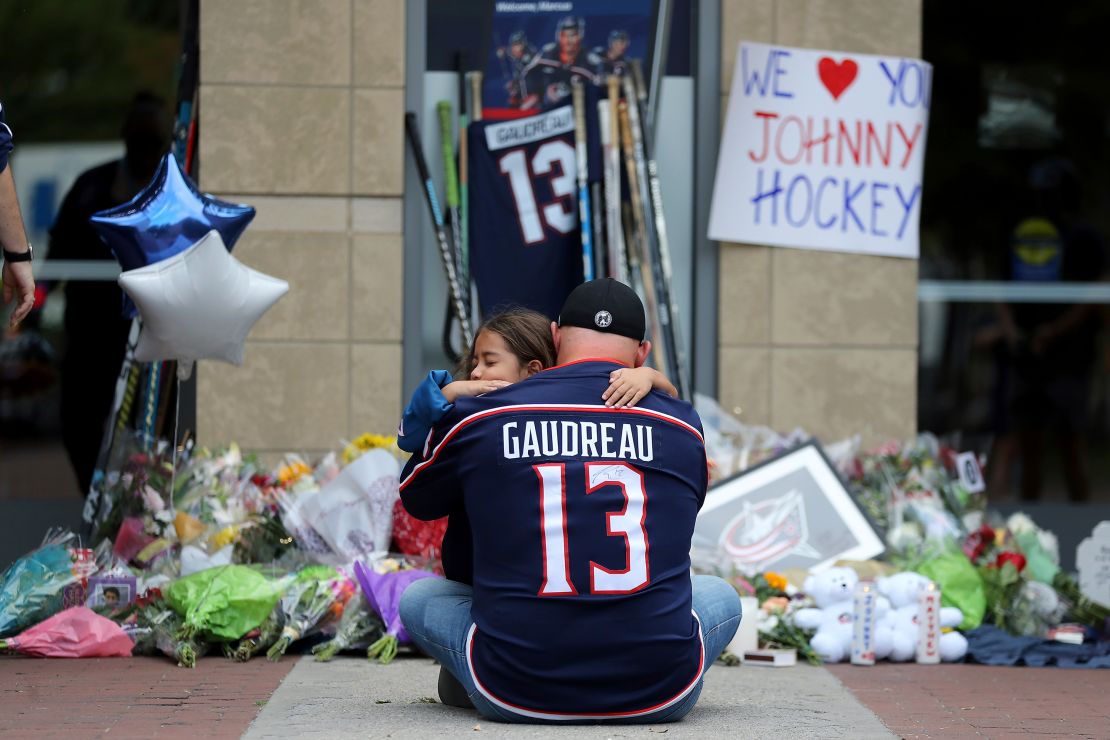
823 150
790 512
538 47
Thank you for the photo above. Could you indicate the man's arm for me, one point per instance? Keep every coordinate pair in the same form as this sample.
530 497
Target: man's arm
19 282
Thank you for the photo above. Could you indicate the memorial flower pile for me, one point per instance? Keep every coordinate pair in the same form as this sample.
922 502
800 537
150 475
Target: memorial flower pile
213 552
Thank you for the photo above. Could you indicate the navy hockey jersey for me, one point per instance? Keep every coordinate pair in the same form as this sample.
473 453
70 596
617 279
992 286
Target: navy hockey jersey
581 518
525 243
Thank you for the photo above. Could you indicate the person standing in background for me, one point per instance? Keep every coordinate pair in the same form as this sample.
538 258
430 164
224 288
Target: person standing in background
19 283
96 330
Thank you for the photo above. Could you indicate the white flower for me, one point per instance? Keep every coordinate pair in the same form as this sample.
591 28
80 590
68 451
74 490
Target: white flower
1020 523
767 622
1041 597
153 500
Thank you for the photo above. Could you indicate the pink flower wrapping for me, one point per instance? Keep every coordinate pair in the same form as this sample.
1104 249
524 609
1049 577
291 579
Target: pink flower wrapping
74 633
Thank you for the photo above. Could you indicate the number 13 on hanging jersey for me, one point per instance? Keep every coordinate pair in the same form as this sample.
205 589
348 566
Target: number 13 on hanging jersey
525 246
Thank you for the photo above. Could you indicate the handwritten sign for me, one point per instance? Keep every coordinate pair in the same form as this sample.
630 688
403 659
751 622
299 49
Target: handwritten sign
1092 558
823 150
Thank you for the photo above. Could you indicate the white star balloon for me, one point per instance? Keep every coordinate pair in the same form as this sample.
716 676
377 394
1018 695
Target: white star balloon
199 304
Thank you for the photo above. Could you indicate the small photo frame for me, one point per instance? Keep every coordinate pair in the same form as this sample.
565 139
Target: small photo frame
112 591
790 512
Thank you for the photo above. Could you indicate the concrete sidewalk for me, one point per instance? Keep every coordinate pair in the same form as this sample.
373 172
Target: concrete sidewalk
351 697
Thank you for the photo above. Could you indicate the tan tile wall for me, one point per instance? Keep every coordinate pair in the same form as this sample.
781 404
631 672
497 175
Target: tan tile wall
820 340
301 106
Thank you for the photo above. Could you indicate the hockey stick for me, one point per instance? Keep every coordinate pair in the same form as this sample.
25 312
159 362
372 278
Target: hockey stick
441 234
640 254
475 78
584 225
451 183
660 244
597 223
464 196
475 95
610 125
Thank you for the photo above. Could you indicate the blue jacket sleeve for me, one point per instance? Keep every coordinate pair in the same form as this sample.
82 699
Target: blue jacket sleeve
426 407
430 485
5 139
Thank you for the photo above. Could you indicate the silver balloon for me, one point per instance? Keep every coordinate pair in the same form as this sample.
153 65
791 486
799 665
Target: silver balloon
199 304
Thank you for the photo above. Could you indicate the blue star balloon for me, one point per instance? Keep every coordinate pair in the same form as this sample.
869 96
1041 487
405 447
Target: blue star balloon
167 217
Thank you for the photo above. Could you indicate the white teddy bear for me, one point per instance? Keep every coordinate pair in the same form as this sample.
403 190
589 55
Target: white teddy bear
899 625
833 591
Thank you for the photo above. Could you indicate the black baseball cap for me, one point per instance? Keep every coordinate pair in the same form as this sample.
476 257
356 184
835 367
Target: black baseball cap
605 305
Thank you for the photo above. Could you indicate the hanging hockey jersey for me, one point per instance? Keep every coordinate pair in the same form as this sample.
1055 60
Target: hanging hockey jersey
582 517
525 244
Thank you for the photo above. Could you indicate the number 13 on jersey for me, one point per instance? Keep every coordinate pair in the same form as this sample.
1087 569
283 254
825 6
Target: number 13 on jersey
554 161
628 523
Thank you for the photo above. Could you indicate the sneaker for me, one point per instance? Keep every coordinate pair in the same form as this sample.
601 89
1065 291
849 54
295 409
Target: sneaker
451 692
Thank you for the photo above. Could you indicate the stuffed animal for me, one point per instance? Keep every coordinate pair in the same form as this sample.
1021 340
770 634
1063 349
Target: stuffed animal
833 591
899 625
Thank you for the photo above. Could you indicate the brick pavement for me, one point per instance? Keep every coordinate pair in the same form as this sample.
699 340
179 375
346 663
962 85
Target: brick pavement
133 698
965 700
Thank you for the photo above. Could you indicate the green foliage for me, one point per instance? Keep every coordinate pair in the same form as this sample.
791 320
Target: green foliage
72 67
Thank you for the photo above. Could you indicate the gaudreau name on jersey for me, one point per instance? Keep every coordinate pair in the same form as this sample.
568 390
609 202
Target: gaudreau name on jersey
589 439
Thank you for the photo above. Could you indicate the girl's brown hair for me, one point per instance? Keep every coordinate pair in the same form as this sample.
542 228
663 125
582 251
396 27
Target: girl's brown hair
527 334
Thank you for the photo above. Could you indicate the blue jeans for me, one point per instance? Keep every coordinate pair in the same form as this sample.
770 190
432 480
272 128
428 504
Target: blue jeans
436 614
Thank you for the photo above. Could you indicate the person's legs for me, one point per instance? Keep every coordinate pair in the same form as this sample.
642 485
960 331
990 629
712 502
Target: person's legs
718 608
436 614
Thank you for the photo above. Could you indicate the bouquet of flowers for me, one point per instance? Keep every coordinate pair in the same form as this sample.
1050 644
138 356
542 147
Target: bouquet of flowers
139 485
223 603
383 590
1028 593
913 491
311 598
777 602
32 587
358 627
155 628
74 633
258 639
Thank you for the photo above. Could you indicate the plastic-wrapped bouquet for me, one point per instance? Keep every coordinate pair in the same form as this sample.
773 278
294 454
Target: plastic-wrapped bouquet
258 639
156 628
32 587
74 633
383 590
913 491
223 603
311 598
358 628
139 485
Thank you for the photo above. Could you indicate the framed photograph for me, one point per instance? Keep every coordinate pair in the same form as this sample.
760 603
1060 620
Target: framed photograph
112 591
789 512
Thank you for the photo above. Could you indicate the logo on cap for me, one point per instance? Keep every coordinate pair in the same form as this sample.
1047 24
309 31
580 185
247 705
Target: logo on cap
603 319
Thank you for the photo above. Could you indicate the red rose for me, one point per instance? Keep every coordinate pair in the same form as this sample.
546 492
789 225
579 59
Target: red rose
1011 557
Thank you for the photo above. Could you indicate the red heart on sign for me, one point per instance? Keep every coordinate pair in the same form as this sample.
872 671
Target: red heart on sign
837 77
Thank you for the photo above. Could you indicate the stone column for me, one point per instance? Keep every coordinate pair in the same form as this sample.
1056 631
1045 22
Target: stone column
301 115
821 340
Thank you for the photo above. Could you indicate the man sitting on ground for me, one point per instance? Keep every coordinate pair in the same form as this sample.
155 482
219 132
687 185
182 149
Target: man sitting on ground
582 607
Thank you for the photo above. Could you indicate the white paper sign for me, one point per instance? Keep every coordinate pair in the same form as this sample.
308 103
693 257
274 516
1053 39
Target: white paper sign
823 150
971 475
1092 558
